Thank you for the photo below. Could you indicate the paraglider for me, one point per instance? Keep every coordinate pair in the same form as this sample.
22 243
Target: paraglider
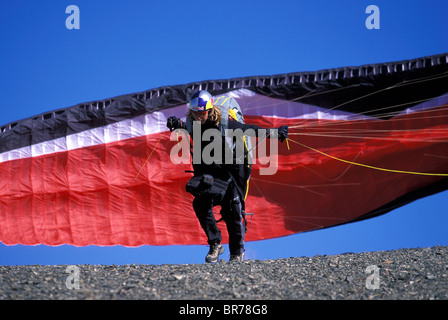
362 141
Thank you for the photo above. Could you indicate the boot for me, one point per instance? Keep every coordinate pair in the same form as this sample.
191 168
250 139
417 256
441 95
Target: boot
214 252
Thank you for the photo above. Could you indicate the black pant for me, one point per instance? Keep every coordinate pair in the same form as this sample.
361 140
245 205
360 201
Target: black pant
231 211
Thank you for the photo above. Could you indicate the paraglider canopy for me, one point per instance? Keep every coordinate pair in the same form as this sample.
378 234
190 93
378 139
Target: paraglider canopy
363 141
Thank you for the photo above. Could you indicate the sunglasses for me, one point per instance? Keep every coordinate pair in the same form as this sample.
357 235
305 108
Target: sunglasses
200 113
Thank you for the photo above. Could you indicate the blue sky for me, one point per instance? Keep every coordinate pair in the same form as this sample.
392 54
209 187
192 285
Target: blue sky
130 46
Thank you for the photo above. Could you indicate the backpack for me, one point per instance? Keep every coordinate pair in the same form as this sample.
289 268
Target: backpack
230 107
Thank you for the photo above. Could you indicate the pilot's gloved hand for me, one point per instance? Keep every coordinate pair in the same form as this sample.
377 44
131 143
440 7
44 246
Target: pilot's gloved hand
174 123
283 133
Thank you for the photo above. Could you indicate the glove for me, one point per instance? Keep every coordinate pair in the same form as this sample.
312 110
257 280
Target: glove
283 133
173 123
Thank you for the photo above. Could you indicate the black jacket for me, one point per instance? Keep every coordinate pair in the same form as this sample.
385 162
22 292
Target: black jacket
237 169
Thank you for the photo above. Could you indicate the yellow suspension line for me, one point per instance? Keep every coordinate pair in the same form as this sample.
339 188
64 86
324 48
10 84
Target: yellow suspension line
367 166
147 159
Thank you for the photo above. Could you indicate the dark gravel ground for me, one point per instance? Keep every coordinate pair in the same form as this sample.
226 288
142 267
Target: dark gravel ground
409 274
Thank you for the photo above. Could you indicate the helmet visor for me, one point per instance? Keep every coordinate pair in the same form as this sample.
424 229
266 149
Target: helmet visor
200 105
